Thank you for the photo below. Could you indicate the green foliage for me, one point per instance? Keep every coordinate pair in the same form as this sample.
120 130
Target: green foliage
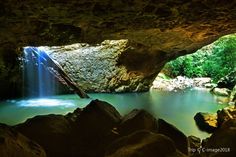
215 60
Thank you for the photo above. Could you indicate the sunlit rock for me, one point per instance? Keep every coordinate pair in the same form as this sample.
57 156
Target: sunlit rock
206 121
221 91
96 67
165 83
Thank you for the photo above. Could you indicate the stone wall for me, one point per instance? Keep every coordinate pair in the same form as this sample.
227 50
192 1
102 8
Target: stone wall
95 67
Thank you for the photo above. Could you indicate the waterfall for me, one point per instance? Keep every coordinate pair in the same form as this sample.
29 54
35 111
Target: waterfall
43 76
38 81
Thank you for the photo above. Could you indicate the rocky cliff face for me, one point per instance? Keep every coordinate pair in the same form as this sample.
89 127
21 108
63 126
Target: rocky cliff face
97 69
157 30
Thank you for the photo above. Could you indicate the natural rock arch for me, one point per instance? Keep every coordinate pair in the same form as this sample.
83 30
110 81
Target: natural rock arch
157 30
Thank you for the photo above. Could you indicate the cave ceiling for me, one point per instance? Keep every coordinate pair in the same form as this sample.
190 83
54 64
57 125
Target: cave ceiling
157 30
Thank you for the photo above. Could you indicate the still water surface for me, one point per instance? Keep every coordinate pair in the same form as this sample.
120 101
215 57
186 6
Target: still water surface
177 108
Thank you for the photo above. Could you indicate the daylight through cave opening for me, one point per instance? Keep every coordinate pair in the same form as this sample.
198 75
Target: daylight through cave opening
211 66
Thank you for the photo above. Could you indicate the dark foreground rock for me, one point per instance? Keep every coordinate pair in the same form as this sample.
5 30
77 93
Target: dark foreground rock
225 114
222 142
206 121
137 120
52 132
14 144
143 144
89 132
194 145
84 133
180 140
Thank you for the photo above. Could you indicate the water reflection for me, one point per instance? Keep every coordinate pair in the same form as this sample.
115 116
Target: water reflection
177 108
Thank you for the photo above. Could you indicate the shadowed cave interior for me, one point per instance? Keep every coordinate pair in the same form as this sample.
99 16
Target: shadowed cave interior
119 78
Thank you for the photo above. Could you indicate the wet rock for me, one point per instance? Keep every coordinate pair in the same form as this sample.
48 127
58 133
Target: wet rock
221 91
180 140
137 120
142 144
222 141
206 121
14 144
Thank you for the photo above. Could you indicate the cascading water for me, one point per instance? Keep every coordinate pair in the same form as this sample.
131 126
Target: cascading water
38 81
42 74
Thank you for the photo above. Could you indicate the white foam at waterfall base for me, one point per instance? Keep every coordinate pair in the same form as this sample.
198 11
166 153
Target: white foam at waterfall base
44 102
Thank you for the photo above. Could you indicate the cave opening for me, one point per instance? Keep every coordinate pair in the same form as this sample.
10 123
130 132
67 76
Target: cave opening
43 85
211 66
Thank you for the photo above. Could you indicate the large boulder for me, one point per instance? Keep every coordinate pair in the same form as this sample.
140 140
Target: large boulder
137 120
95 67
14 144
221 91
180 140
96 128
143 144
206 121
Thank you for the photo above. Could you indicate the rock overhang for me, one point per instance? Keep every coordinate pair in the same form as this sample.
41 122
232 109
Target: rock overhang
158 30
